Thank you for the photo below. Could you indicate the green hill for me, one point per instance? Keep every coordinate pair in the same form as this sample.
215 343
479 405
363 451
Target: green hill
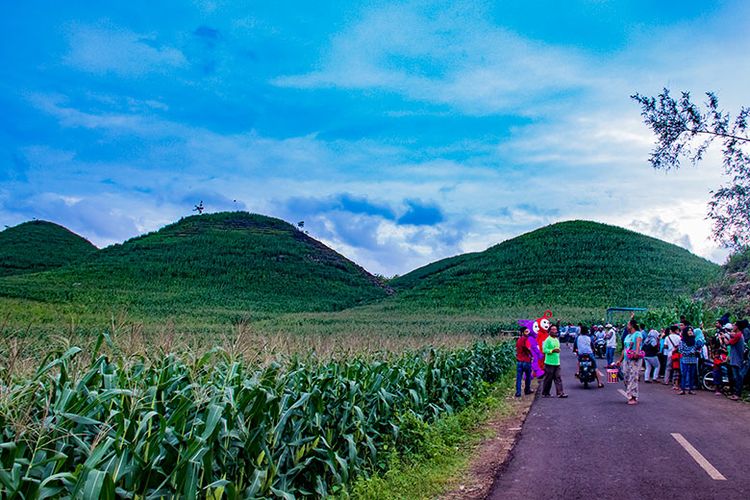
576 263
38 245
203 266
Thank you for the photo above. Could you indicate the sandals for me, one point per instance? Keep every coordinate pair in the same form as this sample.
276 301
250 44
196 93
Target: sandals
600 385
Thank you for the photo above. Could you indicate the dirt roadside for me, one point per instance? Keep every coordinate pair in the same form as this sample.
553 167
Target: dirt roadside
494 451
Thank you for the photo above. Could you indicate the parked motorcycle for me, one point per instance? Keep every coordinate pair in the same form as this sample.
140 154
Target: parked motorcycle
600 348
707 378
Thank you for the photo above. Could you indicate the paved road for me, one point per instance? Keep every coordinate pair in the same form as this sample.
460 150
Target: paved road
594 446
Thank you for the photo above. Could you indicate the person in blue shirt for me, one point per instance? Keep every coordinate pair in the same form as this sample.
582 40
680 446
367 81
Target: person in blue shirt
631 361
690 350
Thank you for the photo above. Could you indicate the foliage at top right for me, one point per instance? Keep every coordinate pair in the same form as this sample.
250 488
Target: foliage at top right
686 129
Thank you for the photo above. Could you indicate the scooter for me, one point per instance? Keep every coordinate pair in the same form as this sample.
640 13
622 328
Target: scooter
586 372
600 348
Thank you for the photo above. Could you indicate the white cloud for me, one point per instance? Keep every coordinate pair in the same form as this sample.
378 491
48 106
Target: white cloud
119 51
454 58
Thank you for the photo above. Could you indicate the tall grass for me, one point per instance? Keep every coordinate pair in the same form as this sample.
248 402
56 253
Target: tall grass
138 426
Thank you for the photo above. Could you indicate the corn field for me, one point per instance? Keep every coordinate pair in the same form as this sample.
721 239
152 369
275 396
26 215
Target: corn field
214 427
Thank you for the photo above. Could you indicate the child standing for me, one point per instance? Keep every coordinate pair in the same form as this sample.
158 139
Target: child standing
720 357
675 370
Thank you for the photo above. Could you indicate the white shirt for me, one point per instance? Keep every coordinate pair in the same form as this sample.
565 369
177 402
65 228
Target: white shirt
671 343
612 341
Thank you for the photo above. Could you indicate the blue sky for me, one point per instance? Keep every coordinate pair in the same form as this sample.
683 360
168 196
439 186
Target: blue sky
400 132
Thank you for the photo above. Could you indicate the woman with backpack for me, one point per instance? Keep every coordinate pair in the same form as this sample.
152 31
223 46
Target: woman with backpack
651 352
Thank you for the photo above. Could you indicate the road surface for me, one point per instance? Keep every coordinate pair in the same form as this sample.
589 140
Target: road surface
594 446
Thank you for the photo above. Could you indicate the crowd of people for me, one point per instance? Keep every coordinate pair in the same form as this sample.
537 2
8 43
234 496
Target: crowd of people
678 355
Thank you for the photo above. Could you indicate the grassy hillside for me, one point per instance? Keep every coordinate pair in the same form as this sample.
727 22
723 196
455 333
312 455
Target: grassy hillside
204 266
36 246
576 263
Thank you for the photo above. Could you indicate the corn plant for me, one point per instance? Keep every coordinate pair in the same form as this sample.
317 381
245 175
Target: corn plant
213 427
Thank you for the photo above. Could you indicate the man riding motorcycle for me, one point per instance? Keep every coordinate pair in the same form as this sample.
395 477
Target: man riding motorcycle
583 346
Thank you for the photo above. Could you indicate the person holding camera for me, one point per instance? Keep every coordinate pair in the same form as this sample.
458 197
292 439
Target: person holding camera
736 343
719 356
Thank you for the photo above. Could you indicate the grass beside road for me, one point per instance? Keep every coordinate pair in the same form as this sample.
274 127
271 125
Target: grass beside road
440 460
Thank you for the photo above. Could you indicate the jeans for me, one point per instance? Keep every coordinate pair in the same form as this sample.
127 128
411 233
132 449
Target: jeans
652 367
718 378
523 368
688 375
738 374
552 373
610 355
663 361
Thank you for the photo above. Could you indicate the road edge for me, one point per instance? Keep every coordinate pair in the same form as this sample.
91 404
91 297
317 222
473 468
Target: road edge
493 453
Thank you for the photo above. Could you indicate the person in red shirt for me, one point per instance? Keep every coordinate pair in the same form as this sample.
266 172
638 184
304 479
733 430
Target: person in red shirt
523 362
720 357
676 369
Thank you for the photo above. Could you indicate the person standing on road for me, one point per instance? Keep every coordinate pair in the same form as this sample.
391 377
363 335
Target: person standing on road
719 355
651 350
671 341
611 337
689 351
663 360
736 344
631 361
551 350
523 362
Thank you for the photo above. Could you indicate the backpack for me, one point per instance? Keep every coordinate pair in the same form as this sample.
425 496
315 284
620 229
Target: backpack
650 349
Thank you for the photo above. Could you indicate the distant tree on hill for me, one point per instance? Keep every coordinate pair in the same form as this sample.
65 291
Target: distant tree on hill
686 129
199 208
301 225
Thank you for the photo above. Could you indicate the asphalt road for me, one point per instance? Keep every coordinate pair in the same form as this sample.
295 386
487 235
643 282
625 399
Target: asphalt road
594 446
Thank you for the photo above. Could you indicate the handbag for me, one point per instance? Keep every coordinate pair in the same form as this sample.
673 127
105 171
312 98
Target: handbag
632 354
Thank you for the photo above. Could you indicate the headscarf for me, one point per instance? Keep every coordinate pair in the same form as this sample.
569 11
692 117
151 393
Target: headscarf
699 337
688 339
653 337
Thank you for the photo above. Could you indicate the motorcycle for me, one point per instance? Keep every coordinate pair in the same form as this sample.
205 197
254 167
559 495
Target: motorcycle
586 372
600 348
707 378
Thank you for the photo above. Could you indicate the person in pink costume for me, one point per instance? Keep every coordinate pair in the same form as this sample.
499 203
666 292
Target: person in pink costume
538 333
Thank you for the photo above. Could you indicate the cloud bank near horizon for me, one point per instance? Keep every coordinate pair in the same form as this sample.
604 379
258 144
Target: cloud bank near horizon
400 132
